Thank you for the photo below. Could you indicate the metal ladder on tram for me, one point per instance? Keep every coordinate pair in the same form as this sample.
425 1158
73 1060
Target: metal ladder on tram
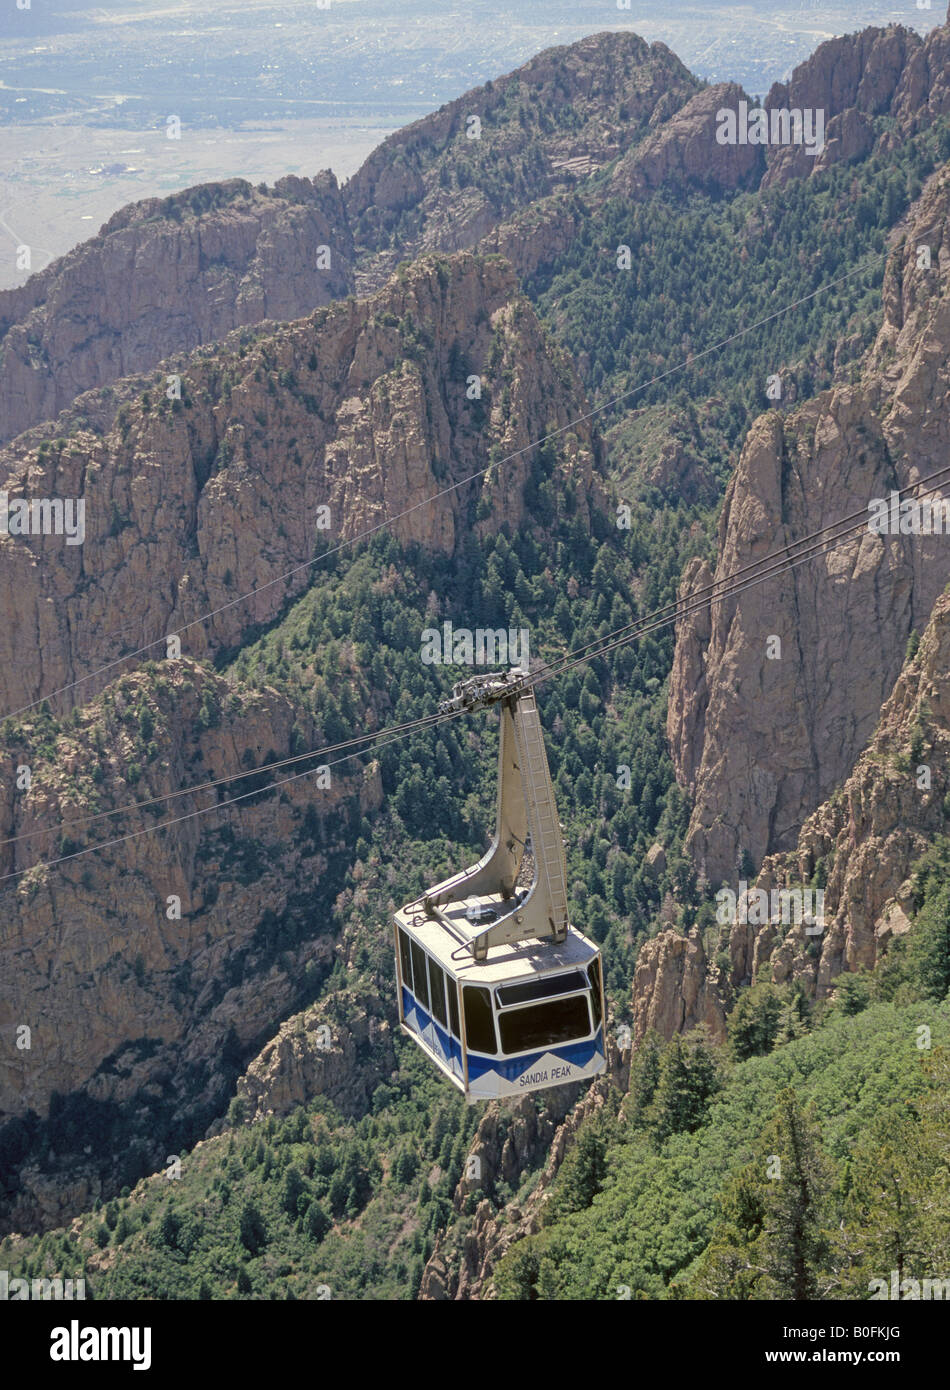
546 841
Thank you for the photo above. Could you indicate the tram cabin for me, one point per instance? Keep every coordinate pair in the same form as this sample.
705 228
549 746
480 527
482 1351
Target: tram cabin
528 1017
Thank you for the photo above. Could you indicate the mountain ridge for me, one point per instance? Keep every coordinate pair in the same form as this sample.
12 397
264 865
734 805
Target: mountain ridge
652 121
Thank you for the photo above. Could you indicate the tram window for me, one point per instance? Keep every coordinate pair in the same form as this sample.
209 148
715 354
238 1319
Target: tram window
405 960
437 988
454 1007
545 988
543 1025
479 1024
421 985
593 971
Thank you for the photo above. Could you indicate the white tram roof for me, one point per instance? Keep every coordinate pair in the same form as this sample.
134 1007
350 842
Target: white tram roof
515 961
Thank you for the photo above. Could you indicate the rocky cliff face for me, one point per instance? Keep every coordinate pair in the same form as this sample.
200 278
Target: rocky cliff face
759 739
165 275
362 408
861 844
674 989
924 89
174 935
162 276
868 835
854 79
509 1143
338 1048
685 150
851 79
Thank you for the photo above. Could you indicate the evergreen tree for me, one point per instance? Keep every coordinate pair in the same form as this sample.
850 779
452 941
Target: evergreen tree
547 1284
644 1076
252 1228
929 946
729 1268
318 1222
794 1235
754 1022
933 1108
792 1021
887 1182
689 1077
770 1240
584 1168
292 1190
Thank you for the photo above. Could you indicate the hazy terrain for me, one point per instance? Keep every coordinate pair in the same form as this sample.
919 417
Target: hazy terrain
262 89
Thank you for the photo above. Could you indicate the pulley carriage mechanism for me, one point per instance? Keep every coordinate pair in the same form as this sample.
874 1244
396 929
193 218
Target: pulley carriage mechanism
494 984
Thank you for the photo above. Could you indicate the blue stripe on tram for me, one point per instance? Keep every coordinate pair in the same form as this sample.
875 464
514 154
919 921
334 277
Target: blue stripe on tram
421 1022
418 1019
510 1068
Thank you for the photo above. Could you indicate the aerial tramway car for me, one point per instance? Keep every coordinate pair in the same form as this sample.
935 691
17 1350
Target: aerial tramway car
494 984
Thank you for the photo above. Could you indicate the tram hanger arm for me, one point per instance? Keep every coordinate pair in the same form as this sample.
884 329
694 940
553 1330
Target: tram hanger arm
498 869
525 806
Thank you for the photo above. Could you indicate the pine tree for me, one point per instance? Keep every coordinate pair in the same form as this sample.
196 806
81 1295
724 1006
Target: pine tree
547 1283
293 1188
934 1110
888 1179
770 1239
584 1168
794 1237
754 1022
317 1222
929 947
644 1076
792 1020
729 1268
253 1229
689 1077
